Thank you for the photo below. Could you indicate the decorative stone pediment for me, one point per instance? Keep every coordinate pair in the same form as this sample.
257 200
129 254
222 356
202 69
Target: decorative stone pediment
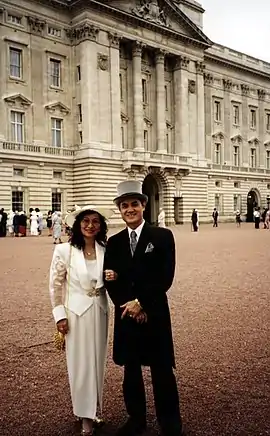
237 139
18 100
124 117
164 13
147 121
254 140
218 136
267 143
57 107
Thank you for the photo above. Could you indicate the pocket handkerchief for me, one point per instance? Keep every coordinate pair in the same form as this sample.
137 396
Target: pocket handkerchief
149 248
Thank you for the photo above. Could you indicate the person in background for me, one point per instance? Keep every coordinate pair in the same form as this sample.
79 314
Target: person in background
10 222
22 224
263 218
49 222
238 218
57 226
257 218
215 217
16 223
3 223
34 223
40 220
194 220
161 218
267 219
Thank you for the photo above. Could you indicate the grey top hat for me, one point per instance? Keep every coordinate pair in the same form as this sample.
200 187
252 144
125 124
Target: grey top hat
130 188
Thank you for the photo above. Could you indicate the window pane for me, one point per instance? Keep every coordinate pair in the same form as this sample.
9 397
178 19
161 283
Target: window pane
55 72
15 62
56 201
17 201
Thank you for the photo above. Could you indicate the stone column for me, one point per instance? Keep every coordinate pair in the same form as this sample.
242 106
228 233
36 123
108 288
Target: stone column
181 106
137 96
261 130
200 111
89 82
245 124
227 84
114 41
160 87
208 82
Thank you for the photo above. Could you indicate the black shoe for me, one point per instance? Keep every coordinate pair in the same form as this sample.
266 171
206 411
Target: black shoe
131 428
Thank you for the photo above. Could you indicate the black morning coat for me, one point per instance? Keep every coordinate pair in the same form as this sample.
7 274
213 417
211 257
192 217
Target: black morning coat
147 276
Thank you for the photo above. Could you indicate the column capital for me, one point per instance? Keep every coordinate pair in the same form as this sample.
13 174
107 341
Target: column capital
160 56
137 47
181 62
208 78
200 67
245 89
83 33
114 39
227 83
36 25
261 94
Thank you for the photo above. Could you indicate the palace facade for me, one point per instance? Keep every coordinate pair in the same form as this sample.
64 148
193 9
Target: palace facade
95 92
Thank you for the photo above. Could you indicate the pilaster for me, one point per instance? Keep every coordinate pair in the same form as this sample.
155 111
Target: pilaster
160 90
261 99
181 106
200 111
137 95
114 41
227 86
208 82
245 124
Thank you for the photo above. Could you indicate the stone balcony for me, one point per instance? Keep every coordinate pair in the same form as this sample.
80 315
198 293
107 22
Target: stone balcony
150 158
228 168
16 149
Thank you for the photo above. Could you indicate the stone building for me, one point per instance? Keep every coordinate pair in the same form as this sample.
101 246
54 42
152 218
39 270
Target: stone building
94 92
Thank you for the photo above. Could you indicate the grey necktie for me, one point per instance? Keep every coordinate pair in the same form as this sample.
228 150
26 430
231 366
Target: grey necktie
133 241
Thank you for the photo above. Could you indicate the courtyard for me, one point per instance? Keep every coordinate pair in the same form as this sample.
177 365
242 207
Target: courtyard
221 323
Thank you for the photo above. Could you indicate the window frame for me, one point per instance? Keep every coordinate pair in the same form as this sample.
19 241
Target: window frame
14 135
217 153
145 91
217 111
54 61
253 118
236 156
253 157
20 66
236 115
55 129
267 157
267 121
13 203
56 202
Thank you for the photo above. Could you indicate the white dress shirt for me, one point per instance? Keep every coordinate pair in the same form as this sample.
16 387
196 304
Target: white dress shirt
138 231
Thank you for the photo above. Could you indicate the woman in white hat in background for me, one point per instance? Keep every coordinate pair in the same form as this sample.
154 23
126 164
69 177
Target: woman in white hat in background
82 313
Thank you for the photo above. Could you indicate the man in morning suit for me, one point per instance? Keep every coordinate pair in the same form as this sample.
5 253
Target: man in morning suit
139 269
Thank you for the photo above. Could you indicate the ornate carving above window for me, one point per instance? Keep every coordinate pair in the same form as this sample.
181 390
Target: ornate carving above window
18 100
254 141
57 107
124 118
237 139
82 33
147 121
218 136
150 11
36 25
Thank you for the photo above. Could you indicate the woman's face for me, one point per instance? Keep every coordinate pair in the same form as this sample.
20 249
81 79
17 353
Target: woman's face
90 225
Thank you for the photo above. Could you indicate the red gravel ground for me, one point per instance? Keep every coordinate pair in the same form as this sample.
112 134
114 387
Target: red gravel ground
220 313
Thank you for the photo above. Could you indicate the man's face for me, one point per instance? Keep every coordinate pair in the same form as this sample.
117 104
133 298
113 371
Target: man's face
131 210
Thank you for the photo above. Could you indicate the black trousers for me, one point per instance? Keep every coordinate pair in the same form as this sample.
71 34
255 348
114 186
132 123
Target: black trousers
165 396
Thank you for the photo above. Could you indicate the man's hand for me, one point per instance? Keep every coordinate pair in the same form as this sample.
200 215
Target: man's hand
110 275
62 326
131 308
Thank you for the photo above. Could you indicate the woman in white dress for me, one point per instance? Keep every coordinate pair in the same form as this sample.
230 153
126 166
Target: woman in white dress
57 226
34 224
80 308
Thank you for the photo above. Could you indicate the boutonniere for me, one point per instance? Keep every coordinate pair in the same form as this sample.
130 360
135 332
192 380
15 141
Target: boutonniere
150 247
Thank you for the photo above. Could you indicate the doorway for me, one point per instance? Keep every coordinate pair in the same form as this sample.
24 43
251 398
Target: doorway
151 189
252 202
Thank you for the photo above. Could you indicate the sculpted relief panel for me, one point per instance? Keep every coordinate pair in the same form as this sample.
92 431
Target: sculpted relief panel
150 11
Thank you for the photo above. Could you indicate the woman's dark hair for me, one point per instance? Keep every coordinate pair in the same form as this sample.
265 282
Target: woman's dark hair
77 239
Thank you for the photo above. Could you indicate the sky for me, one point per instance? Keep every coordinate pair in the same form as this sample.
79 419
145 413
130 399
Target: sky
243 25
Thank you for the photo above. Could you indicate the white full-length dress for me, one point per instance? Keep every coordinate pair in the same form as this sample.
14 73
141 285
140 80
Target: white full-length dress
86 342
34 224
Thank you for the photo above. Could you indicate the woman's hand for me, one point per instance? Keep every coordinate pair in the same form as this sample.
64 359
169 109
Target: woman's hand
62 326
110 275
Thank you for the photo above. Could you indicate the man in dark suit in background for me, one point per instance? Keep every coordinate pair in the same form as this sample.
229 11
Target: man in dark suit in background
139 269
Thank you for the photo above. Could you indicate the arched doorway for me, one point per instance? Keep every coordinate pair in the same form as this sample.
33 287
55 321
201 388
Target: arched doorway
151 189
252 202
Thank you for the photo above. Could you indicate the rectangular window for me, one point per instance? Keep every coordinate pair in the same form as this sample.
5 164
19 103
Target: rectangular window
17 201
236 115
268 159
15 63
81 137
78 73
57 174
145 139
56 201
80 113
217 202
217 154
253 120
236 155
53 31
236 185
14 19
56 132
144 91
123 136
268 122
18 172
17 126
55 73
237 202
217 107
253 160
121 86
166 97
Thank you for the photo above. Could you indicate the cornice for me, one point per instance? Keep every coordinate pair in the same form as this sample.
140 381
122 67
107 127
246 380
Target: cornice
234 65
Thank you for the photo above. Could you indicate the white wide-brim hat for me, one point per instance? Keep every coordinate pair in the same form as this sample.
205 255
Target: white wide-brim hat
130 188
104 211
